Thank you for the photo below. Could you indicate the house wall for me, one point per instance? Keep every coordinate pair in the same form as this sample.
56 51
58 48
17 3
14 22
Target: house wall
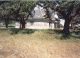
38 21
38 25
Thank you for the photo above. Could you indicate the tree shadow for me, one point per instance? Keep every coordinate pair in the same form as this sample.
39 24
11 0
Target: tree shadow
55 31
27 31
75 34
21 31
72 35
60 35
14 31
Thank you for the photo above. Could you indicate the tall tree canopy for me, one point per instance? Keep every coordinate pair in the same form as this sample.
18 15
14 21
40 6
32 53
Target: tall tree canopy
67 9
17 10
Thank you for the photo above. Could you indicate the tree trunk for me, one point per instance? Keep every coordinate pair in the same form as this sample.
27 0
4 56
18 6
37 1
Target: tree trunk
22 23
6 22
48 16
66 31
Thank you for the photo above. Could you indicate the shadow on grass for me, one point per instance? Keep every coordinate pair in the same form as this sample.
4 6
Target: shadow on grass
51 31
75 34
21 31
71 36
59 34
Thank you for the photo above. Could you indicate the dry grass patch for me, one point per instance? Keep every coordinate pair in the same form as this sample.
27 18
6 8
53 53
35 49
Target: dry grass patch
37 45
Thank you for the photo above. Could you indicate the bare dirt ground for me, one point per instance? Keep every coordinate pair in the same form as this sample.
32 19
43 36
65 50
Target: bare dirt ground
37 45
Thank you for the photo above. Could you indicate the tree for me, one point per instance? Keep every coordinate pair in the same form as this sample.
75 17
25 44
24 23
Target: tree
24 11
17 10
68 9
26 7
4 11
47 6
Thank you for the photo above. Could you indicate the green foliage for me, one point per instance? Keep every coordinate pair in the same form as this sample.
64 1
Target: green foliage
9 8
16 10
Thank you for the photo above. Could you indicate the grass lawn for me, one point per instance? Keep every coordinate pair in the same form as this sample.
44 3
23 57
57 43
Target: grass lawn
39 44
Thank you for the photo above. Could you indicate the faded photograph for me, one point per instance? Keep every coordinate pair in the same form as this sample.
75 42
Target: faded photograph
39 29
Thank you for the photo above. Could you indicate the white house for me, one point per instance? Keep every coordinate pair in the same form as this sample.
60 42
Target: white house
38 21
